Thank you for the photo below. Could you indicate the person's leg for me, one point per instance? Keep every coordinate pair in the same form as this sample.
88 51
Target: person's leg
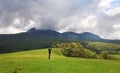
49 56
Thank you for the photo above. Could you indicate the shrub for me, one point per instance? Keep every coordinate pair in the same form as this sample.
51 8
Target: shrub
76 50
106 55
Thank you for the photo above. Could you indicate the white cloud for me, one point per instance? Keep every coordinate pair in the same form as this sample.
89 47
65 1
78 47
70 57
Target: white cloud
114 11
105 3
117 27
89 22
115 35
10 30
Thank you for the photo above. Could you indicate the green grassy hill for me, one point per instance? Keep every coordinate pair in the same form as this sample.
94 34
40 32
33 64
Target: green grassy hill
36 61
98 47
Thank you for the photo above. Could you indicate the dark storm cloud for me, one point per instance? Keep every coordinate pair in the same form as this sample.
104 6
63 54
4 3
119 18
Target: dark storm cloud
36 10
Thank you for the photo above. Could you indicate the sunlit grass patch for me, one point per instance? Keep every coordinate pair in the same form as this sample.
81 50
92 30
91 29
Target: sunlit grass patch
36 61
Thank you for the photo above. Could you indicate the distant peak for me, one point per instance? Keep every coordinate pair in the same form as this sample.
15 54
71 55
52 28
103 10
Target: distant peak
32 29
86 33
42 31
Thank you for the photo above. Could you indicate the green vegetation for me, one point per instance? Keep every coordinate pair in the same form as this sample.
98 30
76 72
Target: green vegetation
98 47
37 61
23 42
74 49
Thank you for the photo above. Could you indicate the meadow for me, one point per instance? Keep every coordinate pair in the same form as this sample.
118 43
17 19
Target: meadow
36 61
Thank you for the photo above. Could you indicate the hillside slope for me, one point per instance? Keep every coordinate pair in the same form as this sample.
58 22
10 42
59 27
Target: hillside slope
34 39
36 62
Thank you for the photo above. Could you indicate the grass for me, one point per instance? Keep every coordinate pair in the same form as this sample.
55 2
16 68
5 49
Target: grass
36 61
117 56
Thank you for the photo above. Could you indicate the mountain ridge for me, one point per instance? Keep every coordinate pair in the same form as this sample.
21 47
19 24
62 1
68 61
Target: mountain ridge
34 38
64 34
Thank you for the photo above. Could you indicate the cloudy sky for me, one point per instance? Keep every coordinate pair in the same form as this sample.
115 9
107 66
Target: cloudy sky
101 17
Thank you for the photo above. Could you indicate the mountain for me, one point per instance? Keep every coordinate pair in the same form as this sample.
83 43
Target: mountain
43 32
66 35
83 36
35 38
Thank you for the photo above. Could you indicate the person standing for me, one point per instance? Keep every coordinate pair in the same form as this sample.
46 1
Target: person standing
49 52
